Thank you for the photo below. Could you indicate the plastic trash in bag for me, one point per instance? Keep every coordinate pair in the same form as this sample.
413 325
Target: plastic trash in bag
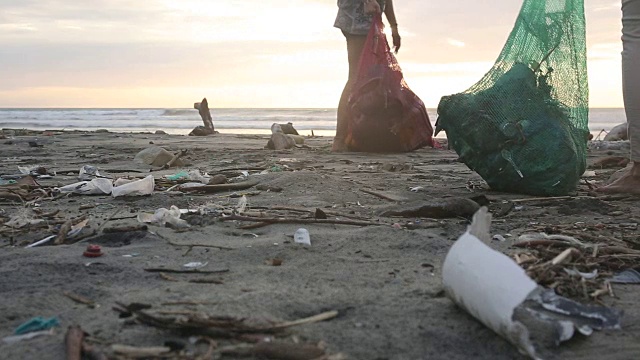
523 126
385 115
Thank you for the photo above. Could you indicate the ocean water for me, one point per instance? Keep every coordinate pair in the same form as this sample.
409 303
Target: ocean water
244 121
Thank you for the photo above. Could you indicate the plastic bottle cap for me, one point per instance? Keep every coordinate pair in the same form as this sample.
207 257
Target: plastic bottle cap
93 251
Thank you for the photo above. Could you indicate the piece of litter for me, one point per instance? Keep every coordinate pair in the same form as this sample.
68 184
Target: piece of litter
242 205
36 324
587 276
195 265
88 172
301 236
43 241
629 276
417 189
498 238
495 290
163 216
16 338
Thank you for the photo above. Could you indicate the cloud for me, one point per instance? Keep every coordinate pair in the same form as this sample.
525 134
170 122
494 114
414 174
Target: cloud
244 51
456 43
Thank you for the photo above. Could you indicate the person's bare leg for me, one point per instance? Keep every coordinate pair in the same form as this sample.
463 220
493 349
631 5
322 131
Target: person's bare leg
355 44
630 181
342 125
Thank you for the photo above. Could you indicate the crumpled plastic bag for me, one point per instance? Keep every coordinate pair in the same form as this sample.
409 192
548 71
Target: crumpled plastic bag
98 186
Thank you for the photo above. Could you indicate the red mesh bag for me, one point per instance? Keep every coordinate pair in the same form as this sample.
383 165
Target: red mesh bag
385 115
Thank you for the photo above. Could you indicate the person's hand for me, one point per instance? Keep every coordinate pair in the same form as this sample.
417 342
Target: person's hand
397 41
371 7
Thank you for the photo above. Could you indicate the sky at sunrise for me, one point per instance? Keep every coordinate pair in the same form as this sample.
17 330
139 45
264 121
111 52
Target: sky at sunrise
254 53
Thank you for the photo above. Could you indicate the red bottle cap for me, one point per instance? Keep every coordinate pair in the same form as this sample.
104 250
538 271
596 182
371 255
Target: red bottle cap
93 251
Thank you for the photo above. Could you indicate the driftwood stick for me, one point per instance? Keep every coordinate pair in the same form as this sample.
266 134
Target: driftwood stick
175 158
309 320
181 271
73 342
587 237
255 226
109 219
62 234
541 242
380 195
308 211
299 221
222 187
139 352
542 199
201 245
120 229
207 281
79 299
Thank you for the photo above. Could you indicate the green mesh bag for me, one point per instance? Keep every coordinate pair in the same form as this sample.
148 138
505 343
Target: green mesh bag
524 126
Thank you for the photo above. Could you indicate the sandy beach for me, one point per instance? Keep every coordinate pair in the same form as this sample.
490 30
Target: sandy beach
382 274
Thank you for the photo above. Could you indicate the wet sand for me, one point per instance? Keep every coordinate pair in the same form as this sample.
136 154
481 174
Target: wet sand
384 280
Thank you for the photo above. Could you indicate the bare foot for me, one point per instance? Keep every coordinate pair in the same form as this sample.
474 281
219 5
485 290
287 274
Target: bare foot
339 146
629 183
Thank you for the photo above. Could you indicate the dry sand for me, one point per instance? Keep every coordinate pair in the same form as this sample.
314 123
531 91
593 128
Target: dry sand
385 282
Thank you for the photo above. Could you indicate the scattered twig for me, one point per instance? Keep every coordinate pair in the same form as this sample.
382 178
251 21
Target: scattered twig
178 303
221 187
267 221
381 195
543 199
181 271
139 352
109 219
200 245
175 158
79 299
309 320
50 214
62 234
121 229
207 281
168 278
308 211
